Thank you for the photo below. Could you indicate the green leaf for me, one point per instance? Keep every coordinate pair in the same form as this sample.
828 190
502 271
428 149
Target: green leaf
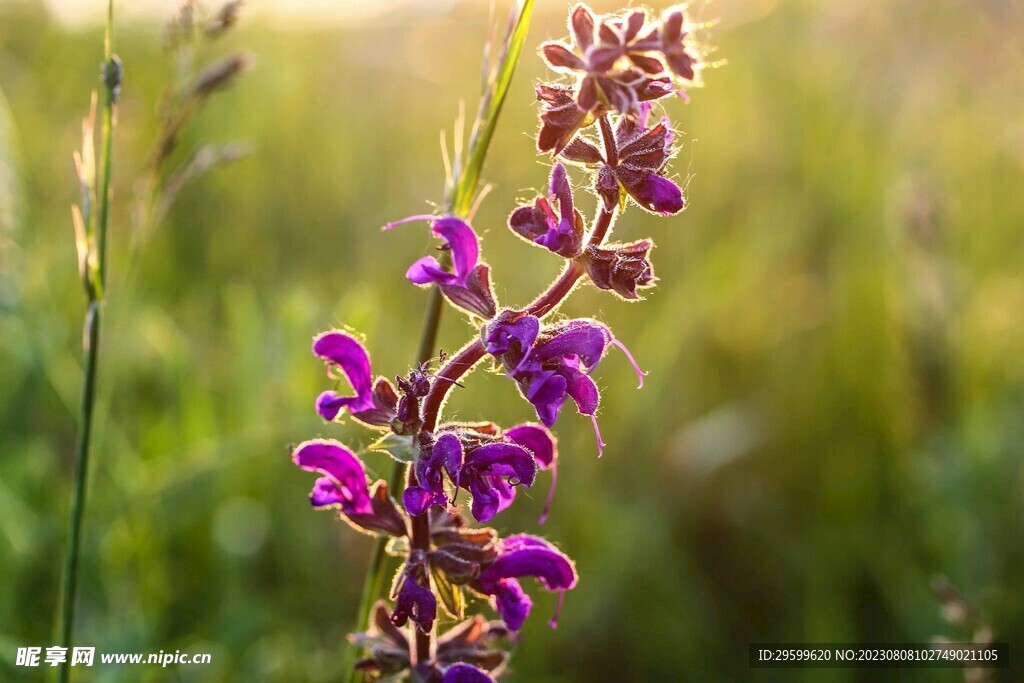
401 448
491 103
450 594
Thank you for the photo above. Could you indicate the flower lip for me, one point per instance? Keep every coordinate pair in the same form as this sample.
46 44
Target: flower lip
490 472
434 459
347 353
461 241
344 482
467 285
522 556
372 404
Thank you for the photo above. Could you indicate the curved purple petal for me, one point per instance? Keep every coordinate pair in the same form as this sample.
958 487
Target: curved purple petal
427 271
500 335
465 673
506 492
659 195
417 603
491 495
325 493
417 500
330 403
462 241
348 354
447 452
557 241
582 390
525 555
585 338
342 468
512 603
506 460
546 392
538 440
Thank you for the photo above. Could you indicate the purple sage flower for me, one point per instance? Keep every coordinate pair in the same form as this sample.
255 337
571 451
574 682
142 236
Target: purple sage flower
416 602
562 234
445 454
521 556
373 404
468 284
619 64
344 486
488 471
510 332
599 44
487 467
558 365
641 157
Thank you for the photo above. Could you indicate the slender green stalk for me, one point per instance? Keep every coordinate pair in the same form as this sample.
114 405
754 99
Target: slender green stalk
94 281
459 201
111 83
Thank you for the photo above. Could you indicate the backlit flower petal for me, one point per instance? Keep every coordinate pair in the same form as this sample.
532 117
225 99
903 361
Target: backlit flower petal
525 555
428 270
512 603
348 354
584 338
538 440
465 673
658 195
462 241
340 466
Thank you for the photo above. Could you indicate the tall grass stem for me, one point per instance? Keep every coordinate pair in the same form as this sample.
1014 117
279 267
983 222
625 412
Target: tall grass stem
91 342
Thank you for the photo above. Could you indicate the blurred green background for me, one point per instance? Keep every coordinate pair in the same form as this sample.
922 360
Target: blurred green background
836 349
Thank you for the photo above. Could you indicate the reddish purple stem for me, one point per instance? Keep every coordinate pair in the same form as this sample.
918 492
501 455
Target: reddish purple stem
471 354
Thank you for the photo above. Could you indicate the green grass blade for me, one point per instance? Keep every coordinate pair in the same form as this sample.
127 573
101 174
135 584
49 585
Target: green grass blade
490 109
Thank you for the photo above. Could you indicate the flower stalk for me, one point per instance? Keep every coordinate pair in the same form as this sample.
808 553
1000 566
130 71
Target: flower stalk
460 195
91 218
621 64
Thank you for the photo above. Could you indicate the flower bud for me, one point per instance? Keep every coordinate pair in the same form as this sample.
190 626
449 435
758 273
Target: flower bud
620 268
